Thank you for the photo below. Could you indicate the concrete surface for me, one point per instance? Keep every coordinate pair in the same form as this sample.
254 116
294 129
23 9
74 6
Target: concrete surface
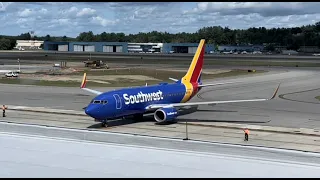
287 138
41 110
296 106
294 111
38 156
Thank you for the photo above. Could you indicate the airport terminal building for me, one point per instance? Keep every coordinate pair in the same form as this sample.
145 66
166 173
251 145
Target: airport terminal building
124 47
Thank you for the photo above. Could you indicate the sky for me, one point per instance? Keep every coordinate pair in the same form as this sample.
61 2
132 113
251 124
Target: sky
72 18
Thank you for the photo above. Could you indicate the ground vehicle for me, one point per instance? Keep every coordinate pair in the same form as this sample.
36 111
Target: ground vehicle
12 74
96 64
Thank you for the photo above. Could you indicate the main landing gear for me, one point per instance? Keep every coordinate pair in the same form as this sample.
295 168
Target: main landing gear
104 124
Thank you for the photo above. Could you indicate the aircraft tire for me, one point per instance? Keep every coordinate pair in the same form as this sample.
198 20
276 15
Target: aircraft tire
104 124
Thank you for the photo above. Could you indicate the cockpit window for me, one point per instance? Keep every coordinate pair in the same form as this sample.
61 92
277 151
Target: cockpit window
99 102
96 102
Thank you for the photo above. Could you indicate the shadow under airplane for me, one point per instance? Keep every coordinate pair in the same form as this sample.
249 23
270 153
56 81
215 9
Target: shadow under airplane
182 111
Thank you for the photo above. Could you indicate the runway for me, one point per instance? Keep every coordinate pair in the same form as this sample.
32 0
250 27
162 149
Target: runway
28 156
295 106
140 57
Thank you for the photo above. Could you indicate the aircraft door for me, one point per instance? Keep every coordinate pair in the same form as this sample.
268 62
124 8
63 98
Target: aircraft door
118 101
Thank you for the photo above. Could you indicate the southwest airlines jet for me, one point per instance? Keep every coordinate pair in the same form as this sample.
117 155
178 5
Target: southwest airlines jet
162 99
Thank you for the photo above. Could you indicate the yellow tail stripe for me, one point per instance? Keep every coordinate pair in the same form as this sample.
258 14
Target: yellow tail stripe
187 77
83 80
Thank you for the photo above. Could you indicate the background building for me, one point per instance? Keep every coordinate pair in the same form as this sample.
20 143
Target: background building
124 47
28 44
145 47
184 48
248 48
120 47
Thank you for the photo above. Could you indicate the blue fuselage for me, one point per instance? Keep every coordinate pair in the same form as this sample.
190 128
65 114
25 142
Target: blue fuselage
130 101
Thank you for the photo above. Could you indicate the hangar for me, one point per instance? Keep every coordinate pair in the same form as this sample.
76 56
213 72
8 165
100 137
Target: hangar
55 46
124 47
86 46
184 48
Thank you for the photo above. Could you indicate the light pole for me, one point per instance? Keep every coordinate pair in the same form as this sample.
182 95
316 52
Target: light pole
186 131
19 64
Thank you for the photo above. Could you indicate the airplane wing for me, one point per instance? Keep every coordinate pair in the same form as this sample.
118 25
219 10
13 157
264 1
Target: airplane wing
156 106
204 85
173 79
215 84
83 86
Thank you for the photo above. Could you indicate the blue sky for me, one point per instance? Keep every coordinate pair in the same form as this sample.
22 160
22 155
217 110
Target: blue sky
72 18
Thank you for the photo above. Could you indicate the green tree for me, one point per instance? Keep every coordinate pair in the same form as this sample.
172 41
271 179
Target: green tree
64 38
5 44
47 38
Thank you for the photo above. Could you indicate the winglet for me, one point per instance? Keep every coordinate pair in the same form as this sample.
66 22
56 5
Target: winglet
84 81
275 92
173 79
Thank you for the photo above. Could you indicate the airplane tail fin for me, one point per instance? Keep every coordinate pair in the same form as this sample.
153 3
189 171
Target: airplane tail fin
194 72
84 81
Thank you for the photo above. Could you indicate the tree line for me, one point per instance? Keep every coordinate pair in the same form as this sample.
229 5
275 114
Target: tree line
293 38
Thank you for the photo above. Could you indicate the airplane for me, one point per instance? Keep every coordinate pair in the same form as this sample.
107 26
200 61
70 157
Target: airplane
163 99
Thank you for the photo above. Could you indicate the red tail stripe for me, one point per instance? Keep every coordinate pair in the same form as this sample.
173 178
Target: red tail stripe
198 67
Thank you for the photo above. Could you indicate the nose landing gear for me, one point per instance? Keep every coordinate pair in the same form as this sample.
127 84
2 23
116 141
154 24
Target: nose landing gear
104 123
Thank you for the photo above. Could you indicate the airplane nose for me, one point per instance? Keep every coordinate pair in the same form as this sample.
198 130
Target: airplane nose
90 110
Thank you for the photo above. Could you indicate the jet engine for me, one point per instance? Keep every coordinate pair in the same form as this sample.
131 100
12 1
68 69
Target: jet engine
165 114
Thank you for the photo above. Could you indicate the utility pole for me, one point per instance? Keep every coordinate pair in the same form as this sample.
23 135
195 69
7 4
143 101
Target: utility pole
186 131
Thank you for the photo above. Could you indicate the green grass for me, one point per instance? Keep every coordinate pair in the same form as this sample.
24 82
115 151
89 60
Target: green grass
226 62
162 75
281 61
318 97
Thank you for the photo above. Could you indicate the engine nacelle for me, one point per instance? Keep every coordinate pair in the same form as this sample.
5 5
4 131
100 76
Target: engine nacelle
165 114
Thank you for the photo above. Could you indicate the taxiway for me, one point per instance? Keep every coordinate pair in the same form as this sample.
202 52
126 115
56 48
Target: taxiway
295 106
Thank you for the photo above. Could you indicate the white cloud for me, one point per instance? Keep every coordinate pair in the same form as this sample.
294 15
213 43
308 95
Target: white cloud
25 13
72 9
43 11
22 20
72 18
3 5
102 21
86 12
262 8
